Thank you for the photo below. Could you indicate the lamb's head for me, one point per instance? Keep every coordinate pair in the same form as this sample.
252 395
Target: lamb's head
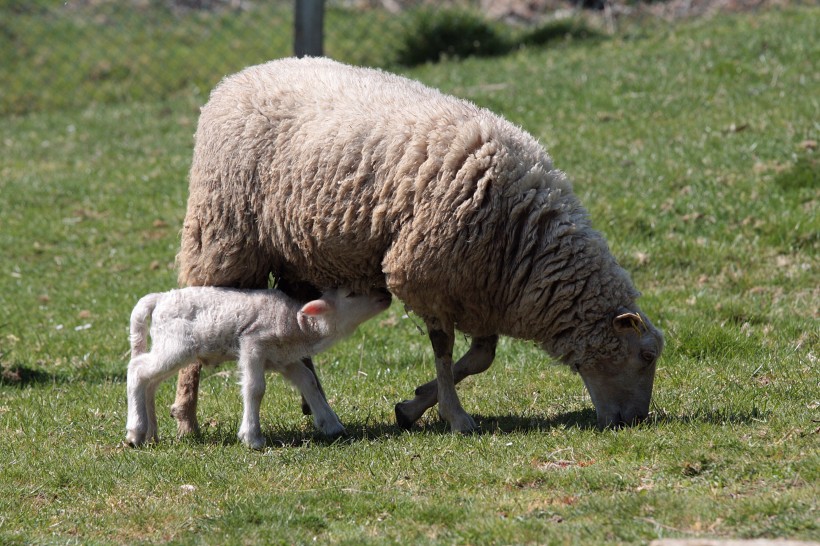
338 312
618 366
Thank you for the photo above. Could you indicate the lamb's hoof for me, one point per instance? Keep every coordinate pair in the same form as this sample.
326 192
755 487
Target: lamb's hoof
134 438
306 408
404 421
252 441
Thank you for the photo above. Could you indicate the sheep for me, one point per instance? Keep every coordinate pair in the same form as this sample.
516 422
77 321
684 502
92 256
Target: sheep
261 329
327 174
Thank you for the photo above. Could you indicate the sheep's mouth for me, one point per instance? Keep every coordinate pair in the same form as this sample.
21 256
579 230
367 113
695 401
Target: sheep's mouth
618 421
384 297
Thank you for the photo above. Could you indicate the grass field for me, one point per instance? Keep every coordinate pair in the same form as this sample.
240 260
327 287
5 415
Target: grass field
694 148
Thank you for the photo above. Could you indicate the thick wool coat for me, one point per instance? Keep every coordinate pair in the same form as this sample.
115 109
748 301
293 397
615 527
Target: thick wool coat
315 171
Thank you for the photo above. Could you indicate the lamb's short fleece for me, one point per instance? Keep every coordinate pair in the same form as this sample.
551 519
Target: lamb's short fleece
262 329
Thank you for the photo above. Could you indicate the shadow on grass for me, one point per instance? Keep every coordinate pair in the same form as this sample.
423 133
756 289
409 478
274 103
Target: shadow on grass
22 376
437 34
25 376
489 424
711 416
584 419
365 431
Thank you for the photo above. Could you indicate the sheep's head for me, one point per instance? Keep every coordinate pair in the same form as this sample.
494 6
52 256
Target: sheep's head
619 373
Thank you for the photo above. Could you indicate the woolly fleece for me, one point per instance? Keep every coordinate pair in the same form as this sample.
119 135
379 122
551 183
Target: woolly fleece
324 173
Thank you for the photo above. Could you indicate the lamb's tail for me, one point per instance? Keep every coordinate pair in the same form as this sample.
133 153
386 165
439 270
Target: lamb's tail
139 323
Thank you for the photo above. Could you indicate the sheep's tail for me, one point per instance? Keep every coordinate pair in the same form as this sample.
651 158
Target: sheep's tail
139 324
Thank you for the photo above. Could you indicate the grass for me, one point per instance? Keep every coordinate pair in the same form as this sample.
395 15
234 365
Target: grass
692 147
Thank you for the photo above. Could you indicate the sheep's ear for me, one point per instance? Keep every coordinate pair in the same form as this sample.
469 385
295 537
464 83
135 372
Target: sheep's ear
626 322
316 308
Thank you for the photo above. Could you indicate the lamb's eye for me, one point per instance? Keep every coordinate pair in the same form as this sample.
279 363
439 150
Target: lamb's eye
351 294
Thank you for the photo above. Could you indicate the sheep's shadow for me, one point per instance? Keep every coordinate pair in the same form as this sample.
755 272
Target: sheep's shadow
710 416
585 419
367 430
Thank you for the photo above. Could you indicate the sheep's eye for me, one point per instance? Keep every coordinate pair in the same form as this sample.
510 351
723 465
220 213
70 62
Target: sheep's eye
648 356
350 294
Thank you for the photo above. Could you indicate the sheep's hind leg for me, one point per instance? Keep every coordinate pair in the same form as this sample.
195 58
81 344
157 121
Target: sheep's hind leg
477 359
442 338
184 407
304 379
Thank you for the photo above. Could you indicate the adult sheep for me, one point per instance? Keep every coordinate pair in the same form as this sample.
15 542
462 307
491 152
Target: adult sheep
331 175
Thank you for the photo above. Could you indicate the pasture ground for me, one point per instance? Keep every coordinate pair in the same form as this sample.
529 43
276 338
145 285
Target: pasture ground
694 147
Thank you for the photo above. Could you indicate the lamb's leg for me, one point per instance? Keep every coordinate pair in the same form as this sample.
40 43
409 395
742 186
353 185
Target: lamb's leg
145 373
477 359
184 407
442 338
152 434
308 362
323 416
305 292
136 425
253 389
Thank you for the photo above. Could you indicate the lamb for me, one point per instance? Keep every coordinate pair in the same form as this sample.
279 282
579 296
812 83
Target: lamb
326 174
262 329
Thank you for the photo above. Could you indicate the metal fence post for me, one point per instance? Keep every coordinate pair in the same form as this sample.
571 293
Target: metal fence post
308 33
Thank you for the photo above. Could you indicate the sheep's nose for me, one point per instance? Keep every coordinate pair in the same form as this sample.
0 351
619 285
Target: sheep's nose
619 421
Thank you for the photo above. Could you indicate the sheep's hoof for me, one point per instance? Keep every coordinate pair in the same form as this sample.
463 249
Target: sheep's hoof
462 424
342 433
330 428
306 408
186 423
404 421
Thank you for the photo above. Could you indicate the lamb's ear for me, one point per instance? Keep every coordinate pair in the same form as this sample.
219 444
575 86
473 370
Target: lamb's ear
626 322
316 308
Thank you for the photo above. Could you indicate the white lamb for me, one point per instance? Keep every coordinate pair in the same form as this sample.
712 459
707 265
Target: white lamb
261 329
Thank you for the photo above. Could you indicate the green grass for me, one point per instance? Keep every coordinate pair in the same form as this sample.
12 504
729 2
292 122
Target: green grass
688 144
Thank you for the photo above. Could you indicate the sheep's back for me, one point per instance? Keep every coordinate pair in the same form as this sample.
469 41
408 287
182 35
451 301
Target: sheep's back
336 175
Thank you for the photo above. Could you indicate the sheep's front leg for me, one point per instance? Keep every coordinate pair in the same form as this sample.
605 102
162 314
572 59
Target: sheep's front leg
184 407
477 359
304 379
253 389
442 339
